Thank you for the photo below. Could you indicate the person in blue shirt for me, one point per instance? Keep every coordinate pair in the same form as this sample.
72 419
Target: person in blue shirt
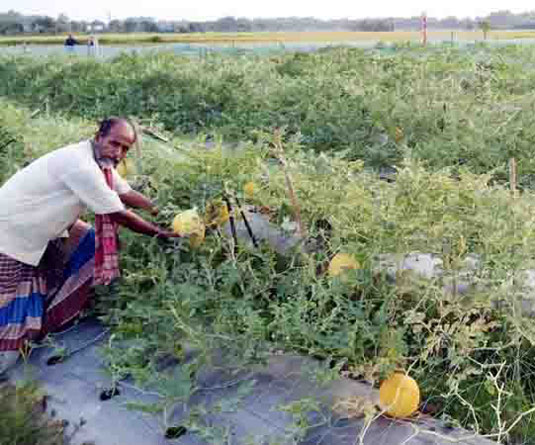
70 43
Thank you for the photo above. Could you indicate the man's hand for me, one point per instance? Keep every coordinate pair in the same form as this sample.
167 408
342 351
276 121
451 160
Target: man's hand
166 234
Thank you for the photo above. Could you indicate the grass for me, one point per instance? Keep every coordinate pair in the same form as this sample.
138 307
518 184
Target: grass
421 110
22 420
259 37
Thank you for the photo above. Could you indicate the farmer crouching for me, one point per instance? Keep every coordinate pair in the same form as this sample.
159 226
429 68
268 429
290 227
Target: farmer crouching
49 259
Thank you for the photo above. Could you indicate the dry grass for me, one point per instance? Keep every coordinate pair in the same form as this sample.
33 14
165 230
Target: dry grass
395 36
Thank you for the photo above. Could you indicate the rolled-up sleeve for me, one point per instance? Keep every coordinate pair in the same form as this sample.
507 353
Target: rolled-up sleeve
119 184
91 188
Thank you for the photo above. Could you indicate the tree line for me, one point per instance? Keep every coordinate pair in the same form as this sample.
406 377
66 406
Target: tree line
12 22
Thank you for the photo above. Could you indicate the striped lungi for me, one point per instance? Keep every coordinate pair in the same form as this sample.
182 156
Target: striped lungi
38 300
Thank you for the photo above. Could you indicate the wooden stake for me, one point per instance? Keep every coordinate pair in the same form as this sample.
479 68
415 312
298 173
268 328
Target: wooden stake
153 134
279 151
513 177
232 226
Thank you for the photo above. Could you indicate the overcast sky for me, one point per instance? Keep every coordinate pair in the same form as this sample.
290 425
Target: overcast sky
213 9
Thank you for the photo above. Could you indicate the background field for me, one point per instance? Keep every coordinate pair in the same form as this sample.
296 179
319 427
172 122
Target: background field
274 37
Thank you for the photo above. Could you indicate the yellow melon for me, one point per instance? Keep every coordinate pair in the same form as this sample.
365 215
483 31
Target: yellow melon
342 262
216 213
189 223
126 167
399 395
248 189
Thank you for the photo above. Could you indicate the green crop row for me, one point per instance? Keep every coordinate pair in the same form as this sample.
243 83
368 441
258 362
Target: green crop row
445 107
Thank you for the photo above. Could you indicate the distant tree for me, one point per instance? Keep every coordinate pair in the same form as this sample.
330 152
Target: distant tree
130 25
226 24
196 27
8 28
80 26
116 26
148 26
63 23
45 24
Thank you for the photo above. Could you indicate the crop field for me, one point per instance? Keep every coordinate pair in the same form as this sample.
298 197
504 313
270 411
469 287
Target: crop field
389 154
211 37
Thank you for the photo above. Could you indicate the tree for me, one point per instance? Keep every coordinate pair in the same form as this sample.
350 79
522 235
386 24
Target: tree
63 23
148 25
130 25
45 24
116 26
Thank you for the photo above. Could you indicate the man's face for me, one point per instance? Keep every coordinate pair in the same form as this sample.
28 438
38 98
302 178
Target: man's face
115 145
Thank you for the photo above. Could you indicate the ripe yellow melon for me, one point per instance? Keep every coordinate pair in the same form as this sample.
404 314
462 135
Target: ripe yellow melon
189 223
342 262
399 395
216 213
126 167
248 189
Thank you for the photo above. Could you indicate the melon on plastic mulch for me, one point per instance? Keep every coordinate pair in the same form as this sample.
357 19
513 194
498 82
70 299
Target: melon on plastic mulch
189 223
342 262
399 395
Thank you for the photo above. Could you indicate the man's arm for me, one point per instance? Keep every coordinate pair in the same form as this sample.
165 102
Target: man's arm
137 224
137 200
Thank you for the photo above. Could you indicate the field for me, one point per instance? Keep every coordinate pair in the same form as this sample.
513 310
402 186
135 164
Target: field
397 36
443 122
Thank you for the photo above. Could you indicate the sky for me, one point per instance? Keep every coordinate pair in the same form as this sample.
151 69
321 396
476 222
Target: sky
214 9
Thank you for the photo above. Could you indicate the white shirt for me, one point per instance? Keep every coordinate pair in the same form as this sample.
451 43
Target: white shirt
40 202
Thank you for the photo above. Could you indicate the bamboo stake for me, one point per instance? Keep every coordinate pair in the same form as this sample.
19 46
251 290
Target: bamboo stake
513 177
279 152
153 134
246 222
232 225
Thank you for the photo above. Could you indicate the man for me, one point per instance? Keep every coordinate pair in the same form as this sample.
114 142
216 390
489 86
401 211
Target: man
49 259
70 43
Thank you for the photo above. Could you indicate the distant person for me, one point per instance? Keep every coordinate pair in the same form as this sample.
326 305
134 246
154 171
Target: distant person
70 43
92 46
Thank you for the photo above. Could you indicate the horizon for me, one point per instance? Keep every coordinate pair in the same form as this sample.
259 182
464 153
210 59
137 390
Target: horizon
166 10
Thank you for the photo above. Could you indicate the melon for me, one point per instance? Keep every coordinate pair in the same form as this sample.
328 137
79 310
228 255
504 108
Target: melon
248 189
216 213
341 263
126 167
189 223
399 395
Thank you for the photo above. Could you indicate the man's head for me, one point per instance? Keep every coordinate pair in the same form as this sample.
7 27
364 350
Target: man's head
113 139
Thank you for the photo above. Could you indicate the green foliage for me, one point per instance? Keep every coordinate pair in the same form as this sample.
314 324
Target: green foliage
426 111
448 105
22 420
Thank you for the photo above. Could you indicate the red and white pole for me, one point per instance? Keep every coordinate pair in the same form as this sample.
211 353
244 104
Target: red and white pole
424 29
